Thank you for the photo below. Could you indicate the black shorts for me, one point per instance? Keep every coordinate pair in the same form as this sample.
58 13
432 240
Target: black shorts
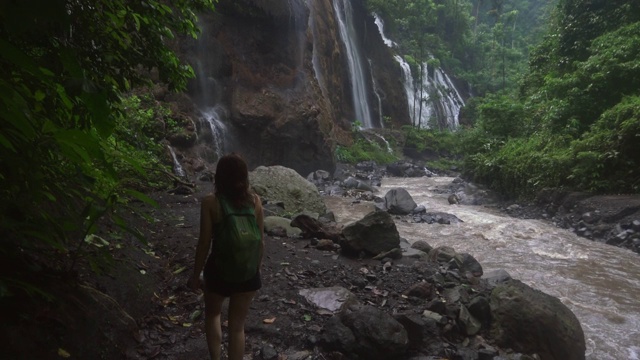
218 286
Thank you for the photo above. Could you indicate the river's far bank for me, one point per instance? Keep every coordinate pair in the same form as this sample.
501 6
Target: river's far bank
611 219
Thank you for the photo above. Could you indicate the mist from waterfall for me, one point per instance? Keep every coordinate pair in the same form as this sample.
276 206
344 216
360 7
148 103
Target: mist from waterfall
344 15
208 95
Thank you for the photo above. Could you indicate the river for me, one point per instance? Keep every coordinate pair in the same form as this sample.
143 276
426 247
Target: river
599 283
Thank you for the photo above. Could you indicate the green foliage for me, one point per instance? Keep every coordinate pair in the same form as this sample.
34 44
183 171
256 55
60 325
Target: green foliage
522 166
63 68
135 147
608 155
501 116
365 150
582 21
436 141
576 122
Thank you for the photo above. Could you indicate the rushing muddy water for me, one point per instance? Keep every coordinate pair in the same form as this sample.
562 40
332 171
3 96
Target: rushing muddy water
599 283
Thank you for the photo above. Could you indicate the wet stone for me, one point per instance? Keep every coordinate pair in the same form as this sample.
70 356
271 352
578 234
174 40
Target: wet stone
268 352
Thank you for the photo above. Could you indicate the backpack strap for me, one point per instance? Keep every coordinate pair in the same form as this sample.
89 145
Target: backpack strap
218 212
226 208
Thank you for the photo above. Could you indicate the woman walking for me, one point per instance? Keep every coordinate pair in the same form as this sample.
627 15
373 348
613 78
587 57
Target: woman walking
231 232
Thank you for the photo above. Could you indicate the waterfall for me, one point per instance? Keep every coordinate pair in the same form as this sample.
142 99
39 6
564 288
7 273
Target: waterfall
315 59
344 15
213 118
389 150
390 43
177 168
437 94
376 90
450 98
419 116
439 97
208 95
425 110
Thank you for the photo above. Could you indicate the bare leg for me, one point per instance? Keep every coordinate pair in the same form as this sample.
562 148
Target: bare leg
238 310
212 327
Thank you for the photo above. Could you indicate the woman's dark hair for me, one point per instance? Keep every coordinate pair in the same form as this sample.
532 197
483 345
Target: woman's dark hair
232 180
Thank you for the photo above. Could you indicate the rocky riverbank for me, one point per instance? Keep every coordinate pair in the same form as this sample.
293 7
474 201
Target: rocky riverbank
381 298
317 303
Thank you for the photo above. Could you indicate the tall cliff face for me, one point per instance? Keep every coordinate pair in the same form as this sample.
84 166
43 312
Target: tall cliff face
280 80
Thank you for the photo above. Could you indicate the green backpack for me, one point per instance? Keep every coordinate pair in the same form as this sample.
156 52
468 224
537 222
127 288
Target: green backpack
236 243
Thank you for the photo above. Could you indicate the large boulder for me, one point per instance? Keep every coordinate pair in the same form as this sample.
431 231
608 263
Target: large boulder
367 333
375 233
271 223
281 184
332 299
530 321
398 201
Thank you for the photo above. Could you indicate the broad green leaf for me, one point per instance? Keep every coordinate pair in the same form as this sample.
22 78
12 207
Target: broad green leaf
123 225
134 163
62 93
142 197
19 58
39 95
98 106
6 143
82 143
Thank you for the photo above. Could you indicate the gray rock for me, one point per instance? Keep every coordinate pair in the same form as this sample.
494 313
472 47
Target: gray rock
375 233
521 314
268 352
278 183
399 202
351 183
442 254
272 222
495 277
368 332
468 265
422 246
470 324
331 298
480 309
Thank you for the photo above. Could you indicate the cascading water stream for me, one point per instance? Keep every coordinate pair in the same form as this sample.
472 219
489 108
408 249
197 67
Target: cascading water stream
419 115
598 282
389 149
380 24
177 168
376 90
213 118
344 16
450 97
315 60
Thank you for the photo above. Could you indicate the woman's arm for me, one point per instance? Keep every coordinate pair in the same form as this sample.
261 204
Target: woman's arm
204 240
260 221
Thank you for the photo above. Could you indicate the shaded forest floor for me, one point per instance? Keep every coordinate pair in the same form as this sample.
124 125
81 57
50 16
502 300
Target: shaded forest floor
141 308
